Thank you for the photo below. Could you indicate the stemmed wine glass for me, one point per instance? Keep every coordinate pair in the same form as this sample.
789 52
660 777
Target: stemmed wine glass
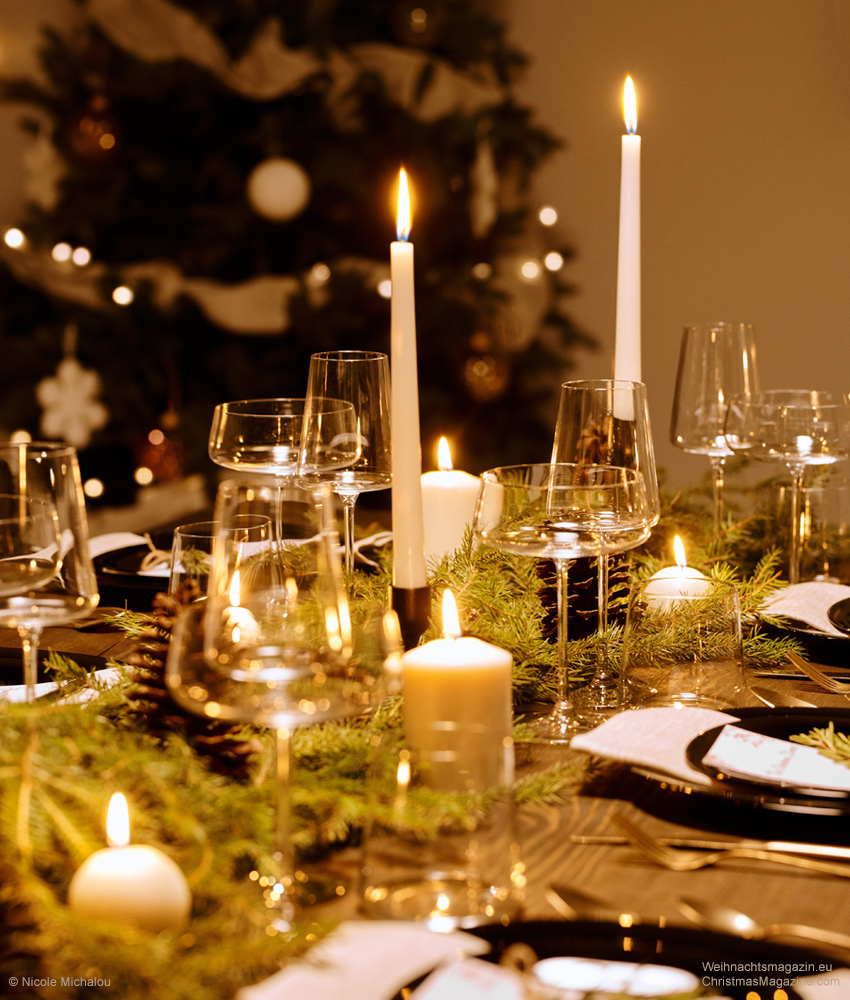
798 427
606 422
716 362
560 512
361 378
272 646
46 572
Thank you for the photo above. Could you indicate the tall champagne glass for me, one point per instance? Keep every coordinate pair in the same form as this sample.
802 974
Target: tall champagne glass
606 422
716 362
800 428
361 378
46 572
560 512
272 646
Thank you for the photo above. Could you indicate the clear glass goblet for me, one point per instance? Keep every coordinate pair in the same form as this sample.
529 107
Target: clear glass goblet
716 362
46 572
272 646
362 379
560 512
800 428
606 422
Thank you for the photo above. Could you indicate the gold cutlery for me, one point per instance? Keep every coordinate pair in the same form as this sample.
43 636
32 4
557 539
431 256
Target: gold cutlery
778 699
676 859
704 844
813 672
716 917
576 905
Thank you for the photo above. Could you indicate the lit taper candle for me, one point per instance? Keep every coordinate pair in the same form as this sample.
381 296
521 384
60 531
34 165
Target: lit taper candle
411 599
627 342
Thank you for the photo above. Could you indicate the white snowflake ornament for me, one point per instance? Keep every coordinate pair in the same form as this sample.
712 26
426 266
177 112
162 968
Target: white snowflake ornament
72 409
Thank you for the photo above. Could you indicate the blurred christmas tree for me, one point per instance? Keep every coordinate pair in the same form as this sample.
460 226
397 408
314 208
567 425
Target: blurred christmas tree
211 201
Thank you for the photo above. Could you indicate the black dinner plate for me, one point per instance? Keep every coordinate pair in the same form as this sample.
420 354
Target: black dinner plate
780 724
120 582
839 615
689 948
831 650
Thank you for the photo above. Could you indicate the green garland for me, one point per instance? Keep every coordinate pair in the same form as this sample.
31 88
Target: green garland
60 763
829 743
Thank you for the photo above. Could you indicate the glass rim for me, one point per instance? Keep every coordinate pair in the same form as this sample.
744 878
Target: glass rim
630 473
349 356
782 397
605 384
736 324
59 449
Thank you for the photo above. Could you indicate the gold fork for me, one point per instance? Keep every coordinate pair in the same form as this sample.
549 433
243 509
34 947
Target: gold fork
819 677
686 861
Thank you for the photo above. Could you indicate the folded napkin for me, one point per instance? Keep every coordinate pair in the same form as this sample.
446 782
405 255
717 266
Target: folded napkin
654 738
833 984
365 960
809 602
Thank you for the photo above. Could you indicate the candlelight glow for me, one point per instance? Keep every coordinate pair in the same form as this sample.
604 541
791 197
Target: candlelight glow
235 593
118 821
630 106
444 456
451 621
679 549
402 225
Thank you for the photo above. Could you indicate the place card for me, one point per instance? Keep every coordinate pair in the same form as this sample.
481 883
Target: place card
740 752
472 979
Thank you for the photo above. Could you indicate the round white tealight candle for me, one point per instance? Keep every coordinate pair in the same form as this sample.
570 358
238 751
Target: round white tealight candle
448 504
676 582
130 882
458 706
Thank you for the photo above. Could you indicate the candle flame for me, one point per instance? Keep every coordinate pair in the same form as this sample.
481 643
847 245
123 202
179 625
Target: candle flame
451 621
679 549
235 590
402 225
444 456
118 821
630 106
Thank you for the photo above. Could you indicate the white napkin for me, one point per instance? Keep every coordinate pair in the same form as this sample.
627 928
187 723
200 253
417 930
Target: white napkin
655 738
365 960
829 984
809 602
471 979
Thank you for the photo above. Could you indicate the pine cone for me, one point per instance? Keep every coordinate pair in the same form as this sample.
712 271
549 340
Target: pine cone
227 752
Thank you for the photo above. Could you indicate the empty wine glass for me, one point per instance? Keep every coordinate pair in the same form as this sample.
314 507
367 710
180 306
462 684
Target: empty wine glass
560 512
361 378
46 572
716 362
606 422
797 427
272 645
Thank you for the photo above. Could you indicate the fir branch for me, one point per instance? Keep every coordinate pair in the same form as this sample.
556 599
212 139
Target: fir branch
829 743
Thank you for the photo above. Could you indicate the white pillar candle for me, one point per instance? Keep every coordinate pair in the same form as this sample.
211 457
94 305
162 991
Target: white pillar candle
676 582
627 343
130 882
457 707
449 497
408 532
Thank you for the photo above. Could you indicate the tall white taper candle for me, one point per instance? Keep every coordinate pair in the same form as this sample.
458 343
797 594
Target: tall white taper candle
627 344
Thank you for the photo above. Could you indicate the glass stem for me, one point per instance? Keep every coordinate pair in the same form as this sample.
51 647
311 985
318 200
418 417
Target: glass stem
348 502
283 825
562 701
29 641
717 464
796 507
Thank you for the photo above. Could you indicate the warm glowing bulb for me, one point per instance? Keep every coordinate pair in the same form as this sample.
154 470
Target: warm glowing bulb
13 238
61 253
118 821
143 475
444 456
553 261
530 270
451 621
81 256
630 106
548 216
402 226
93 488
385 288
122 295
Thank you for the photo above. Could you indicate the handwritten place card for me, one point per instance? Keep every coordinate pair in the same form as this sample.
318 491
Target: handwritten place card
737 751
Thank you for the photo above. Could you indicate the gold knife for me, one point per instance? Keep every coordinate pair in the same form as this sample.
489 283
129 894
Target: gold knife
698 843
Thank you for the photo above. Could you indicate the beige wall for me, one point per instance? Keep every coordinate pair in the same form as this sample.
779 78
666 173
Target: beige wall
744 113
